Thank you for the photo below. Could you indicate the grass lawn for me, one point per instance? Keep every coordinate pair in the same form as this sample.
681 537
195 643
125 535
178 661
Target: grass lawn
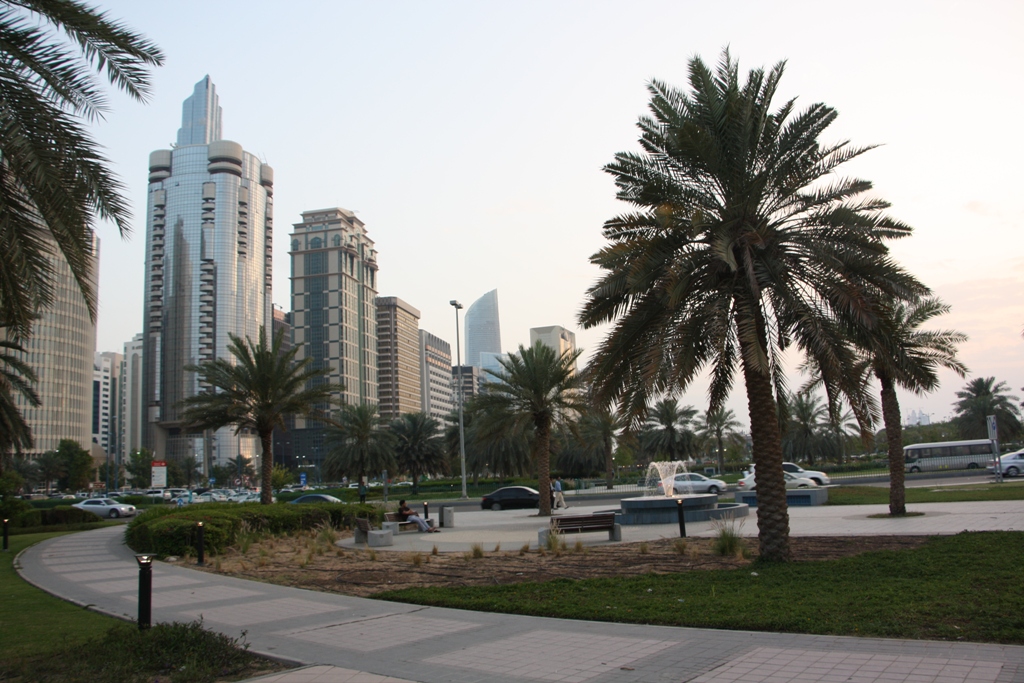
964 587
878 495
47 640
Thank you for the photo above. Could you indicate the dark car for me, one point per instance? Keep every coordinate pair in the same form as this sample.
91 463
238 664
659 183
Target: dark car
315 498
511 497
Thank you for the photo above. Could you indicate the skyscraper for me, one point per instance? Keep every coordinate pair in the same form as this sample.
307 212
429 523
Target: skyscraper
209 229
106 376
398 357
483 333
436 385
554 337
334 315
130 412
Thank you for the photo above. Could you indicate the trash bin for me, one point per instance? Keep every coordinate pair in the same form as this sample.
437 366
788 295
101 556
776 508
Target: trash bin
448 518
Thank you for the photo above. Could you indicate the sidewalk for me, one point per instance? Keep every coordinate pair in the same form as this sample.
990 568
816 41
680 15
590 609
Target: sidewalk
356 640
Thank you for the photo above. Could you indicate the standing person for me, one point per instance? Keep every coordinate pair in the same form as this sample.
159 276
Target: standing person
362 491
407 515
559 499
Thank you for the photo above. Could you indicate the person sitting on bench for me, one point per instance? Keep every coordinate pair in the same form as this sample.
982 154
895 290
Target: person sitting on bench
407 515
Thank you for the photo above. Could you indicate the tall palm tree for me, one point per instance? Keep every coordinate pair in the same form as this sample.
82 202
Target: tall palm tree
16 379
419 446
743 243
668 429
807 417
358 444
599 427
718 425
981 397
50 468
255 390
535 389
54 181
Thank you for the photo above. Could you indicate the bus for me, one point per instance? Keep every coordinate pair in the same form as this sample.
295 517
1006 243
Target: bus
948 455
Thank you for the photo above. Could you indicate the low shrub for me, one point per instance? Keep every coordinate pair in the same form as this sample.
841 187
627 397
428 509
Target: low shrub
62 515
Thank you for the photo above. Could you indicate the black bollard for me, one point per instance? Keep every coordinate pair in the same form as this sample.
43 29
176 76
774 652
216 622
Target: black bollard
682 518
6 545
426 511
145 590
199 544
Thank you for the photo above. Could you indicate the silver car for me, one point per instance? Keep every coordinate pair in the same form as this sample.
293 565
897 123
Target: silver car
105 507
1012 464
690 482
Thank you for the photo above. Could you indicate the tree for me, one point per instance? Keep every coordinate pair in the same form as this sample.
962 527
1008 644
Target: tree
534 390
981 397
54 181
719 425
241 468
280 477
419 446
807 417
139 467
50 468
358 444
116 477
742 244
76 467
598 428
668 430
16 379
256 391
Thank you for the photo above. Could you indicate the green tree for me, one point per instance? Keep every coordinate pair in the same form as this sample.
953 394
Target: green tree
116 475
256 391
50 468
599 427
807 418
16 379
743 243
419 446
139 467
76 467
718 425
241 468
668 432
981 397
280 477
535 390
54 180
358 444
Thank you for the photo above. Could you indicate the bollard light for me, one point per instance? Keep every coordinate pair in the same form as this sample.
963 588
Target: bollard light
426 510
6 546
682 518
145 590
199 543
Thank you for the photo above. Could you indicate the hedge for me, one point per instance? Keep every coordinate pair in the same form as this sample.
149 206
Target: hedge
64 514
172 530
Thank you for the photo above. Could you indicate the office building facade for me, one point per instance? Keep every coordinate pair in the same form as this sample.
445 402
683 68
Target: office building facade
130 410
398 357
554 337
483 331
437 390
106 383
209 234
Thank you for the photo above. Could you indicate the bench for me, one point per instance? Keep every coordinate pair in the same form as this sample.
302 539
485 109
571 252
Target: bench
375 538
599 521
394 522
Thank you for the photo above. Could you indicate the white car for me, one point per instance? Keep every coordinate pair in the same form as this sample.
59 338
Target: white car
819 478
105 507
690 482
1012 464
792 482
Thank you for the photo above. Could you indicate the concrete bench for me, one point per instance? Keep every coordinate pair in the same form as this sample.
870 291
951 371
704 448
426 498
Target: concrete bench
375 538
393 522
599 521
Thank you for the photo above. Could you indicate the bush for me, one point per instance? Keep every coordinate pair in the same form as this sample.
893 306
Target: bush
64 514
12 508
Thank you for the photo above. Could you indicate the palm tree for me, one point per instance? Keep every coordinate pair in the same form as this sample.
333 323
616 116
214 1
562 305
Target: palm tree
54 181
50 468
535 390
981 397
742 244
358 444
16 379
668 429
599 427
256 392
807 416
419 446
719 424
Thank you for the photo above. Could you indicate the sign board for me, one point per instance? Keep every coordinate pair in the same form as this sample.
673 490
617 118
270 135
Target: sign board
158 478
993 428
302 478
213 480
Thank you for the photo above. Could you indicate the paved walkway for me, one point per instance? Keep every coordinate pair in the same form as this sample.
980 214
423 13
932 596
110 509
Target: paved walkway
354 640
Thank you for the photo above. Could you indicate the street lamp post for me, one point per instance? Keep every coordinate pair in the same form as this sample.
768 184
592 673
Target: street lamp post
458 361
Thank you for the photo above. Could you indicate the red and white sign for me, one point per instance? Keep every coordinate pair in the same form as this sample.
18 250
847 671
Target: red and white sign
158 478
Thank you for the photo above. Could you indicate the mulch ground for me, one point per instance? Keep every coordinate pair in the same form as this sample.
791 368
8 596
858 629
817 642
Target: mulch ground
312 561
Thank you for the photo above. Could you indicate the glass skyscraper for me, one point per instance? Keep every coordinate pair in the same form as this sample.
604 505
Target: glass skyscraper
209 230
483 333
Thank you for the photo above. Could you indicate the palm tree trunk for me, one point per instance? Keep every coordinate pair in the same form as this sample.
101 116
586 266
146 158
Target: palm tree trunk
542 455
609 464
721 454
266 467
772 513
415 485
894 441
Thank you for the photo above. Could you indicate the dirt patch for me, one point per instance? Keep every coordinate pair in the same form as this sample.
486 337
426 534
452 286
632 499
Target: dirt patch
312 561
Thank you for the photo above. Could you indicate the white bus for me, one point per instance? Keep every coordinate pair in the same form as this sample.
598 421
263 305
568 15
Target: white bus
948 455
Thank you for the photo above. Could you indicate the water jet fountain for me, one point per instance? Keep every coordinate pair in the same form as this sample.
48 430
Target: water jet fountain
661 507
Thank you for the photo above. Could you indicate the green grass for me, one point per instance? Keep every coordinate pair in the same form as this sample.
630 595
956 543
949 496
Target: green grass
963 587
47 640
878 495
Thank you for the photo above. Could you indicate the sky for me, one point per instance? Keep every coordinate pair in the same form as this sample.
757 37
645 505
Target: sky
470 139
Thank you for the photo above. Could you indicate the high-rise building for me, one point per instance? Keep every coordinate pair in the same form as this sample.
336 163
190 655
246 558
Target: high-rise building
554 337
334 315
469 375
130 413
60 352
483 333
437 398
209 230
490 365
284 453
398 357
106 376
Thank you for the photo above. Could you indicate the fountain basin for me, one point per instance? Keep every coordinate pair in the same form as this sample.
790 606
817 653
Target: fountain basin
701 507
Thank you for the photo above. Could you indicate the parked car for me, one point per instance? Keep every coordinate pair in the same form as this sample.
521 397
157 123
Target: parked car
1012 464
792 482
819 478
511 497
105 507
691 482
315 498
159 493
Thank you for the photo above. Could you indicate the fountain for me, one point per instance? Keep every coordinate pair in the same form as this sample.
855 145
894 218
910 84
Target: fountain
663 508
